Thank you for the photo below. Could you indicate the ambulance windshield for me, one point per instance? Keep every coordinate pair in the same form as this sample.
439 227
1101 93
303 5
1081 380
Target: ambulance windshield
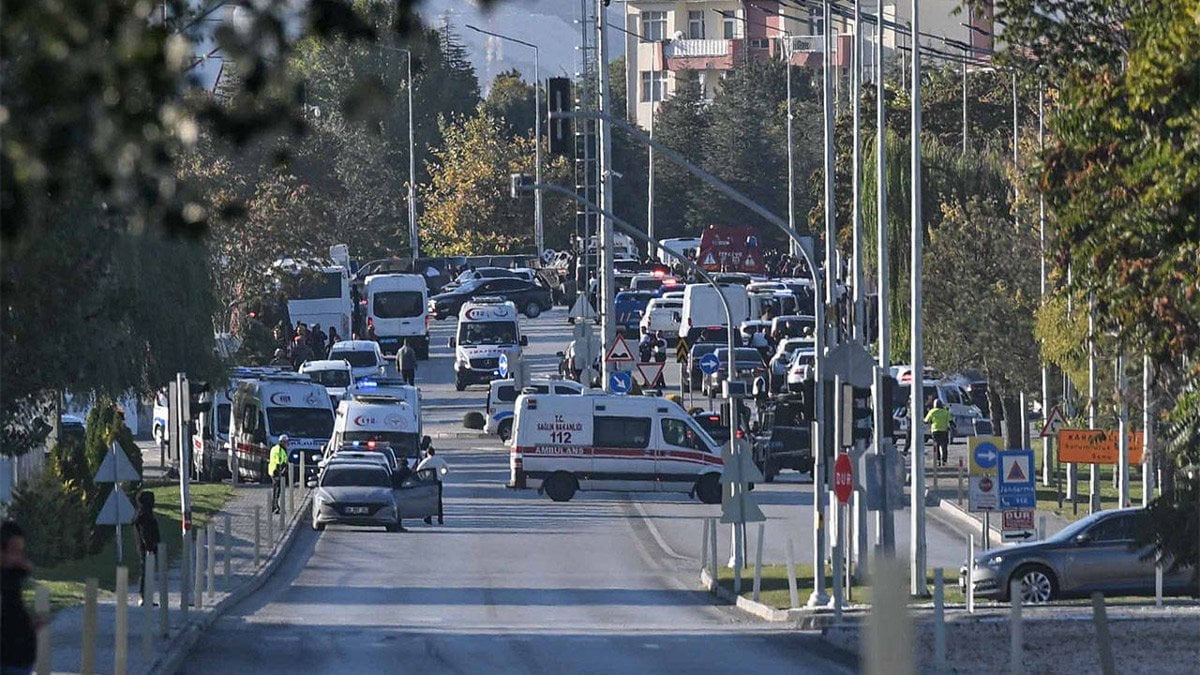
489 333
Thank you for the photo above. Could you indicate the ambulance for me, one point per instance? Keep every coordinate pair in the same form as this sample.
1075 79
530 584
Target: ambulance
488 328
372 419
272 405
566 443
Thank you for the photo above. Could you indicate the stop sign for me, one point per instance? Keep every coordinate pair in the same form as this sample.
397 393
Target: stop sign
843 478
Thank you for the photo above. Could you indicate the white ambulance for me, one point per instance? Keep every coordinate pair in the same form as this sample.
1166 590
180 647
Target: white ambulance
564 443
378 418
488 328
270 406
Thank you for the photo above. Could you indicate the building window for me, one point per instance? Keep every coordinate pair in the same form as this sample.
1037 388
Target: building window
816 21
695 25
654 26
654 85
730 26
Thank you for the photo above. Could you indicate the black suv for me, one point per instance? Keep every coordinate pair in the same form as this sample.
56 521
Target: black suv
530 299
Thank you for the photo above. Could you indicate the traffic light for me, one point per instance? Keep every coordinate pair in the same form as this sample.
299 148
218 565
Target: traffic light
862 415
889 395
197 401
558 99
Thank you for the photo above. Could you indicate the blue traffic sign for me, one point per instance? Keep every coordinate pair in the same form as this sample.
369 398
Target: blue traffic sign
620 382
986 455
709 364
1016 479
504 365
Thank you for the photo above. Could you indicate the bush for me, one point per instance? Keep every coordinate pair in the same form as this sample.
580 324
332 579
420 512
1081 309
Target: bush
56 517
106 424
474 420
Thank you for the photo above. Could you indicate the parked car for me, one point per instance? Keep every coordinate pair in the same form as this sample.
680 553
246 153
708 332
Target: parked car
1097 553
530 298
748 364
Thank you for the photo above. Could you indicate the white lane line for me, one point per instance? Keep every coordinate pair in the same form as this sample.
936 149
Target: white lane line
658 538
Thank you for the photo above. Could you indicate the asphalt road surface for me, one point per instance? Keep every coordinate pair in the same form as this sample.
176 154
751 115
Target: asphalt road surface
515 583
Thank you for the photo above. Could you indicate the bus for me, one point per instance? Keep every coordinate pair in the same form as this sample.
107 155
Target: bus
317 295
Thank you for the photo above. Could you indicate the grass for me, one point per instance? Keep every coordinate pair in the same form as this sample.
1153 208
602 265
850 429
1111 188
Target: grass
1047 497
68 579
775 586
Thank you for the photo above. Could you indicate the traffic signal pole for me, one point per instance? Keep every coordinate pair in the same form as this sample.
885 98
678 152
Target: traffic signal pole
916 426
608 329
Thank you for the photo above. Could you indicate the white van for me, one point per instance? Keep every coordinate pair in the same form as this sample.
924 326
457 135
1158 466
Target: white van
365 357
334 375
608 442
503 393
398 305
663 314
378 418
681 246
487 329
272 405
702 308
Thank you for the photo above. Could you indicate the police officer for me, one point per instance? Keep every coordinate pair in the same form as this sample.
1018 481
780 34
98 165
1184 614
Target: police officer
276 465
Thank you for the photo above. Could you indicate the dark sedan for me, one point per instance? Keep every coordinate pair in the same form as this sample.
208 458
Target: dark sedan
530 299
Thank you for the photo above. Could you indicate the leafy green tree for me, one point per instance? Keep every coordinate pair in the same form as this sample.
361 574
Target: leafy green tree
680 121
512 99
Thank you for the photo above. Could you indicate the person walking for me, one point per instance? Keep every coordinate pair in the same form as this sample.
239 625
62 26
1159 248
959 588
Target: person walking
18 628
440 469
145 525
406 363
276 465
938 419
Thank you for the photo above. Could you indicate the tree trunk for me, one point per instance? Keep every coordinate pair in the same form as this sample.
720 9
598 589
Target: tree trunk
995 410
1013 418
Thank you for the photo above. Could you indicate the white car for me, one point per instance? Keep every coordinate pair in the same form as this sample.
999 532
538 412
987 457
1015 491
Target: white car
663 314
778 367
800 369
365 357
334 375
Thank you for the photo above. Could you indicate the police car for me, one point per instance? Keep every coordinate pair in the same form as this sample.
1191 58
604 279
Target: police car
565 443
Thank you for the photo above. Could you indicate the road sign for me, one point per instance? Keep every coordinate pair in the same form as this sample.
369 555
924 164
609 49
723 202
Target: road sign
984 454
1096 446
709 364
117 509
681 351
582 309
1055 421
503 365
738 504
1018 525
650 372
843 478
620 382
1017 489
116 468
620 352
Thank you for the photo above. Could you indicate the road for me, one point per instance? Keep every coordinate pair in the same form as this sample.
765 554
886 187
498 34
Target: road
514 582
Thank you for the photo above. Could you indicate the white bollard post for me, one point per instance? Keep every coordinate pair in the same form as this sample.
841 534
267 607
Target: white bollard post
41 606
121 649
939 619
284 509
87 663
1016 638
198 572
148 577
258 534
1103 640
793 593
228 548
164 609
704 547
211 562
270 528
970 574
889 635
1158 583
758 563
1041 533
712 552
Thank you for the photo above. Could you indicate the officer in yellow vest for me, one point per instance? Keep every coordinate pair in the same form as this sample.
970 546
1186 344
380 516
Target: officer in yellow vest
276 465
938 419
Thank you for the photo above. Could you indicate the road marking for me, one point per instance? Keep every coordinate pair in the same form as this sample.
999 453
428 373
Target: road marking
658 538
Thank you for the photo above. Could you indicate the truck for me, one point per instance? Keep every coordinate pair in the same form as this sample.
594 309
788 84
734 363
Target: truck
731 248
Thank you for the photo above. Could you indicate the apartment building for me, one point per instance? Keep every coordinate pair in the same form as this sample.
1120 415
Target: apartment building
711 37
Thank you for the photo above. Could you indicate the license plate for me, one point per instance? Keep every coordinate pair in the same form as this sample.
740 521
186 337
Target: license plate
357 510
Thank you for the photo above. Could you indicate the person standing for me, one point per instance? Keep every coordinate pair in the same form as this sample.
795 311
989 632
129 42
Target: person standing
938 419
146 527
440 469
406 363
18 628
276 465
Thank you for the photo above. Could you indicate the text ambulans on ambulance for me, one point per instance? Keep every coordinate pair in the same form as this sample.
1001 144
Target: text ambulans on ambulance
487 328
276 404
377 418
564 443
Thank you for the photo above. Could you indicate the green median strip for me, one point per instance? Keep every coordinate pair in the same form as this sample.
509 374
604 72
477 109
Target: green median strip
775 586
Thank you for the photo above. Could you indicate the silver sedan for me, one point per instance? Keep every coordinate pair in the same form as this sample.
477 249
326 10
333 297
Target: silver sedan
357 493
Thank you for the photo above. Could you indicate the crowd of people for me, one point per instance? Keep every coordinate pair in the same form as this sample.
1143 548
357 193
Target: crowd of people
302 344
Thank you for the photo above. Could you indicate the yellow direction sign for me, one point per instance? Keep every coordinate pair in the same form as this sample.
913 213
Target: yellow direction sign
681 351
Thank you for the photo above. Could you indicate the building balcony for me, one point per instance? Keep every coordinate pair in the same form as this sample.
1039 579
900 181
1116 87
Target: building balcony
700 54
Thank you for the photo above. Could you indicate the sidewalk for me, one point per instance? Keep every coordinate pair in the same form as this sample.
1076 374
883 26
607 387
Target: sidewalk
66 630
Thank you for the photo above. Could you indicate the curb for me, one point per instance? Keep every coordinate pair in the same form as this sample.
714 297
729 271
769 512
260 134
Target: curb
182 643
801 618
965 520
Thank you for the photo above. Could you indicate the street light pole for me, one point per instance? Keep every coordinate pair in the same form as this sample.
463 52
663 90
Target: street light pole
856 107
412 170
916 425
607 280
885 524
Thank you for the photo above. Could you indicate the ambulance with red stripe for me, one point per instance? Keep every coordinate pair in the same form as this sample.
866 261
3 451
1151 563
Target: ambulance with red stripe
272 405
563 443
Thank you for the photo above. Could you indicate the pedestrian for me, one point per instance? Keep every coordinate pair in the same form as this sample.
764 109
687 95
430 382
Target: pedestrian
334 338
281 358
406 363
18 628
371 331
440 469
145 525
759 341
317 340
938 419
646 346
276 466
403 473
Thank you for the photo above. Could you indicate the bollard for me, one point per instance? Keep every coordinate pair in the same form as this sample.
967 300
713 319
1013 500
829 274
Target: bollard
303 472
889 626
289 495
939 619
704 547
960 481
198 571
838 590
41 607
712 551
1158 582
185 579
164 609
258 534
1015 651
1100 620
970 570
121 634
228 547
87 662
148 577
1041 528
211 563
793 593
283 511
758 563
270 527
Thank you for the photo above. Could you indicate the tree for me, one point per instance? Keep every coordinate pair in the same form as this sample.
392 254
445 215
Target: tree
679 122
511 99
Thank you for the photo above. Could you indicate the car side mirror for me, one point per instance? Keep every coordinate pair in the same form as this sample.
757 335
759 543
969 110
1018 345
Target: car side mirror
524 340
312 484
452 343
426 443
1083 539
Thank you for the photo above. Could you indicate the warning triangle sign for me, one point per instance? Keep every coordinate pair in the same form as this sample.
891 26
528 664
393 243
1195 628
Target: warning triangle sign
620 352
709 260
1054 421
650 372
1015 474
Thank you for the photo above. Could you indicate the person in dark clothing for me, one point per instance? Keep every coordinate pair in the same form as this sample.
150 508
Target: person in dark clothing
316 338
403 473
18 628
146 527
406 363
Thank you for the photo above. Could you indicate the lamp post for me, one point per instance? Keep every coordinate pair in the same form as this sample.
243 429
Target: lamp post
539 232
412 159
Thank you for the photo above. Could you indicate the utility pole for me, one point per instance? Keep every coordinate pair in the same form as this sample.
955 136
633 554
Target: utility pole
1094 475
1042 257
916 434
652 251
885 526
607 327
1122 431
856 92
1148 465
412 169
791 167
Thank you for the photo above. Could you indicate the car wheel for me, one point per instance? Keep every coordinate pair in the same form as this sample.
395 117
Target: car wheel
708 489
561 486
1038 584
319 527
505 430
532 310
